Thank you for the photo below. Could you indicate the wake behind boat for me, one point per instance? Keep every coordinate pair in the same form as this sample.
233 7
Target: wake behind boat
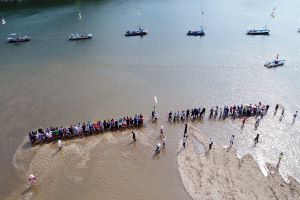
14 38
76 36
263 31
140 32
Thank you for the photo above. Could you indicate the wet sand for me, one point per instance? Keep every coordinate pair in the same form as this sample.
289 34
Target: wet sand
220 174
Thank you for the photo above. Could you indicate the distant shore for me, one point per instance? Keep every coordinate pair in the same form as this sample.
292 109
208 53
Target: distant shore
220 174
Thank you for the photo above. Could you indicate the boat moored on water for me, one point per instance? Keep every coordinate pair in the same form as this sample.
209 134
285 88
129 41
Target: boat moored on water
76 36
140 32
196 33
263 31
275 63
14 38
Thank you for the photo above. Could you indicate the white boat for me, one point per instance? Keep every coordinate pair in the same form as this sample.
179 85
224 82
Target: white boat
14 38
76 36
275 63
262 31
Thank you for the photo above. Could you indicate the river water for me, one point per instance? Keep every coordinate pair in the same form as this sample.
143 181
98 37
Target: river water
51 81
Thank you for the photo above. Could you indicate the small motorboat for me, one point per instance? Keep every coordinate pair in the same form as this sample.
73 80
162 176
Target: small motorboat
196 33
140 32
15 39
76 36
275 63
263 31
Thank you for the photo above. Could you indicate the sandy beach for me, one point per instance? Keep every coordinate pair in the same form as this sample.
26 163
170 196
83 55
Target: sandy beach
220 174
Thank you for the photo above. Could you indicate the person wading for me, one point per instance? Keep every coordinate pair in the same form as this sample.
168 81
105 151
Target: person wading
59 144
295 116
133 136
210 144
164 141
256 139
244 121
185 129
231 140
184 141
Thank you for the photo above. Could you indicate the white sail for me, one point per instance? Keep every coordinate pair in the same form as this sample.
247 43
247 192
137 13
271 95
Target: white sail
155 100
3 21
79 15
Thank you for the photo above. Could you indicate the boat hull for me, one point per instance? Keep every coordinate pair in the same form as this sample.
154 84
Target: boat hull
82 37
274 64
135 33
265 32
195 33
18 40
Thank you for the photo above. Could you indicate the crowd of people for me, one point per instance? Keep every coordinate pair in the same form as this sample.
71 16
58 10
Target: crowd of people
221 113
53 133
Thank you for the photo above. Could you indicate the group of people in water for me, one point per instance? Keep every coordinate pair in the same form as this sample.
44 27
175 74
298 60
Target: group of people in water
53 133
221 113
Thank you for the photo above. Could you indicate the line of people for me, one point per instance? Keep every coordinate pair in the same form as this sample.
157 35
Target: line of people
217 112
52 133
193 114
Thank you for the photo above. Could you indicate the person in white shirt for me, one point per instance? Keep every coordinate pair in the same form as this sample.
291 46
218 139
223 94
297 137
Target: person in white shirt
59 144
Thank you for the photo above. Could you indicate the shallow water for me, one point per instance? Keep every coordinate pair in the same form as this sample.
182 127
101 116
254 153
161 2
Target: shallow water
51 81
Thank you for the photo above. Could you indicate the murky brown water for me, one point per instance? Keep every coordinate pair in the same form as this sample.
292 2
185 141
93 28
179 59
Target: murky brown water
50 81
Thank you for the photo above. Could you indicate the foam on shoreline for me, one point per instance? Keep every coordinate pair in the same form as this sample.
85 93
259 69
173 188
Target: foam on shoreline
220 174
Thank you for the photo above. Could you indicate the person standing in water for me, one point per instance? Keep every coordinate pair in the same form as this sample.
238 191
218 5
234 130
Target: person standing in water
32 180
276 108
161 131
185 129
256 139
244 121
164 141
59 144
133 136
184 141
157 150
210 144
295 116
280 156
257 122
282 115
231 140
282 112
